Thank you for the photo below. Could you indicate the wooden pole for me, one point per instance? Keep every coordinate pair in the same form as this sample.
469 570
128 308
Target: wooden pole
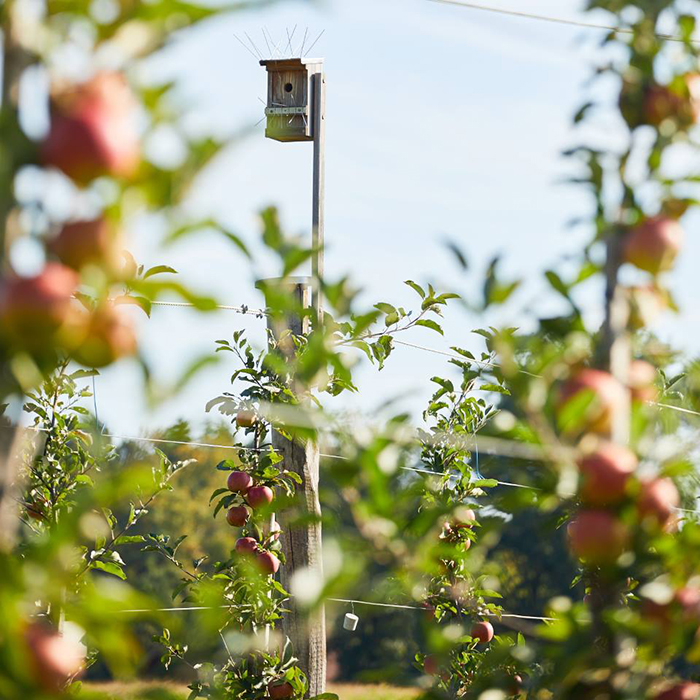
616 347
301 544
319 185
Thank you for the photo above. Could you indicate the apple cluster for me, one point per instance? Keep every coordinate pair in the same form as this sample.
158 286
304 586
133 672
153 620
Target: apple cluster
253 498
607 481
587 404
668 108
618 509
92 134
458 531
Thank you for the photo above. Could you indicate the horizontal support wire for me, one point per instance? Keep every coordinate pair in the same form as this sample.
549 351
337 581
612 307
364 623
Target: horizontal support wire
349 601
326 455
554 20
261 313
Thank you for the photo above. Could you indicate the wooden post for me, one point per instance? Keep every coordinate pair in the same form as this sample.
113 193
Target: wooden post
296 111
318 111
302 544
616 349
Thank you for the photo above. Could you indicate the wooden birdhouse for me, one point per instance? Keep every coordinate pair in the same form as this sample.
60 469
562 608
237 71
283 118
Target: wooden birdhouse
290 98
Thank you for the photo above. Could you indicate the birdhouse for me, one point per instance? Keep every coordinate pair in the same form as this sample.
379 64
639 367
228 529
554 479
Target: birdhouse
290 98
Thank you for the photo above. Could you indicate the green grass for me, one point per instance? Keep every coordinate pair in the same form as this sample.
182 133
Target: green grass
146 690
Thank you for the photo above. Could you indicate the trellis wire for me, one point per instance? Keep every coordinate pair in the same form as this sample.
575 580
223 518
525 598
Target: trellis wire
493 365
394 606
341 457
261 313
326 455
243 309
548 18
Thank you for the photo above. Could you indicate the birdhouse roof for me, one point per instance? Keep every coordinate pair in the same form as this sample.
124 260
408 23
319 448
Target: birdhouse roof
289 63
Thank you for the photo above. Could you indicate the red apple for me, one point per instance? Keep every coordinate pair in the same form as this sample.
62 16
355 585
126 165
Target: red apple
93 130
640 379
679 102
662 103
658 500
654 104
681 691
515 686
268 563
278 691
36 506
482 632
431 665
32 309
246 419
689 600
55 659
239 482
108 336
35 511
605 473
429 614
246 546
597 536
601 396
659 614
259 496
237 516
654 244
93 242
463 518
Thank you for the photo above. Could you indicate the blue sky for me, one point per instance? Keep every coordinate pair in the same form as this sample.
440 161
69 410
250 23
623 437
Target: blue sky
442 122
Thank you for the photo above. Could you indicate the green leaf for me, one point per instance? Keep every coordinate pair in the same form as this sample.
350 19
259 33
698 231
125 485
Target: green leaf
129 539
294 258
137 300
459 255
494 387
416 287
580 115
444 383
82 373
557 283
217 493
429 323
385 308
485 483
109 567
159 270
